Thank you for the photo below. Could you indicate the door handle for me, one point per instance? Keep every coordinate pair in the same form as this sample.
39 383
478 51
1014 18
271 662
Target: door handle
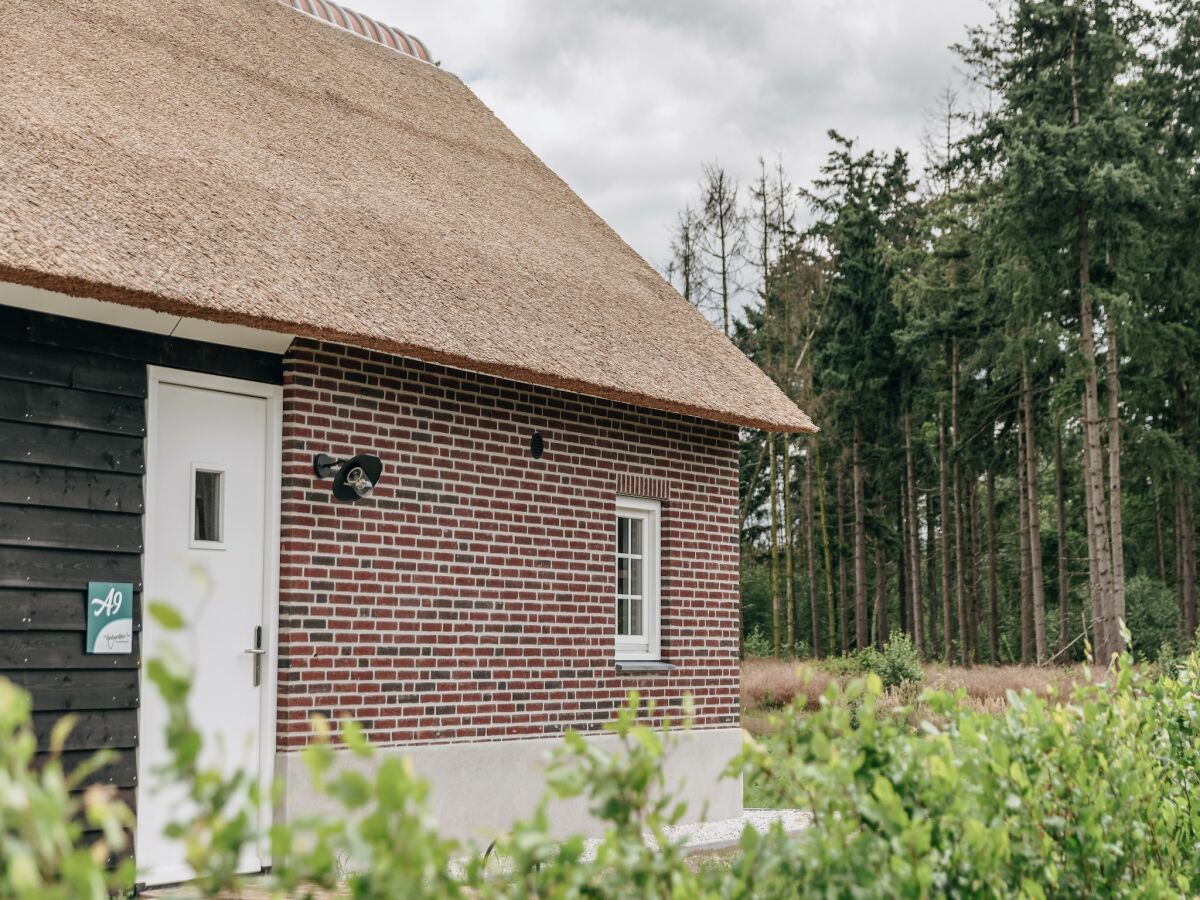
257 652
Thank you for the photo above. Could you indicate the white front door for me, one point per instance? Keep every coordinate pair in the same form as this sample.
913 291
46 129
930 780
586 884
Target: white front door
211 552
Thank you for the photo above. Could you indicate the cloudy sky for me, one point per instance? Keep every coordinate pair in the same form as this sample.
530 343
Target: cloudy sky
626 98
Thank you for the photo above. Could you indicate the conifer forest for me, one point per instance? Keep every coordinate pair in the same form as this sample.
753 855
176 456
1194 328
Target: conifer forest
999 343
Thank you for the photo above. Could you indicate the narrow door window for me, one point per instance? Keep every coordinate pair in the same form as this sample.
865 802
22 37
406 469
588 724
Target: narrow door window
208 507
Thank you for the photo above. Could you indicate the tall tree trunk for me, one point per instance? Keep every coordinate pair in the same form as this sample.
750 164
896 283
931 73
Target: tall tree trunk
975 569
1114 479
881 617
1064 576
1189 568
902 563
776 624
724 264
931 632
1100 567
1185 521
724 261
789 555
1027 646
914 540
1185 543
1177 544
943 521
960 588
1096 581
769 329
810 552
1036 572
843 576
861 622
993 577
828 553
1160 552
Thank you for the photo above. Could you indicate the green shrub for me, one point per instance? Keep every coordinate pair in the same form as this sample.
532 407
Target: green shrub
43 810
1168 658
1094 794
845 666
1091 796
756 645
897 664
866 660
1152 616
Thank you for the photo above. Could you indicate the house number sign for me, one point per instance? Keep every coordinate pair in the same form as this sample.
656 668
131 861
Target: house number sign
109 617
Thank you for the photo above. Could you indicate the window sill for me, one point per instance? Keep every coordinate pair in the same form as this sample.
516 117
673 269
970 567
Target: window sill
645 666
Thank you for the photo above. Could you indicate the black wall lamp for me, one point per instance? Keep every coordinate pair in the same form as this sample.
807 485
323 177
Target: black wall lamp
355 477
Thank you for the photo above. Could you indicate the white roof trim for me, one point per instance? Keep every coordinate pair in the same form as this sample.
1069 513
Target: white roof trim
106 313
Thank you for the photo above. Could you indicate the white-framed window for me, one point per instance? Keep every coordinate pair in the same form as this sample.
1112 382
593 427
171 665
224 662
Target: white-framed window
636 574
208 507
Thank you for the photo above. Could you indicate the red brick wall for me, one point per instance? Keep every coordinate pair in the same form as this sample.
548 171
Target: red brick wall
470 595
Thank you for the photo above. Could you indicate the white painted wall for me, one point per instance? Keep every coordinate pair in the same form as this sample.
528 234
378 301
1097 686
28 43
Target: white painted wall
478 789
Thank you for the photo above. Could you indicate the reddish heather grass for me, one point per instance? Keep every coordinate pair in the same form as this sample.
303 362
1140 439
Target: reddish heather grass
994 682
771 683
768 684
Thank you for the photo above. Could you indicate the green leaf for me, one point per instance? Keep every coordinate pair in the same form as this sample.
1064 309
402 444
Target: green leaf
60 731
165 615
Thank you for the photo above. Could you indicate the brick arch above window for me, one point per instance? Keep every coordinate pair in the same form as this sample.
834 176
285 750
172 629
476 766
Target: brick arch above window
642 486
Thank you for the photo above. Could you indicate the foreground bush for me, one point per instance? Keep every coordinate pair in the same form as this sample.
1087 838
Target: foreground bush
1095 794
44 812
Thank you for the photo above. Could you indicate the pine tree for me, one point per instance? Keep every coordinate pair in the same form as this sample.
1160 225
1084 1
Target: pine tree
1033 306
723 237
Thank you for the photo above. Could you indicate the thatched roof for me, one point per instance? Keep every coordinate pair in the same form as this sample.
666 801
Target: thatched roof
235 161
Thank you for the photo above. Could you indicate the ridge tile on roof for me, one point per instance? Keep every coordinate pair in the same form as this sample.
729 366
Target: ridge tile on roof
364 26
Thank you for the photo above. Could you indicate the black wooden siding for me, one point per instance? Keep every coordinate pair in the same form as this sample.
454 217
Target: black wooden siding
72 460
